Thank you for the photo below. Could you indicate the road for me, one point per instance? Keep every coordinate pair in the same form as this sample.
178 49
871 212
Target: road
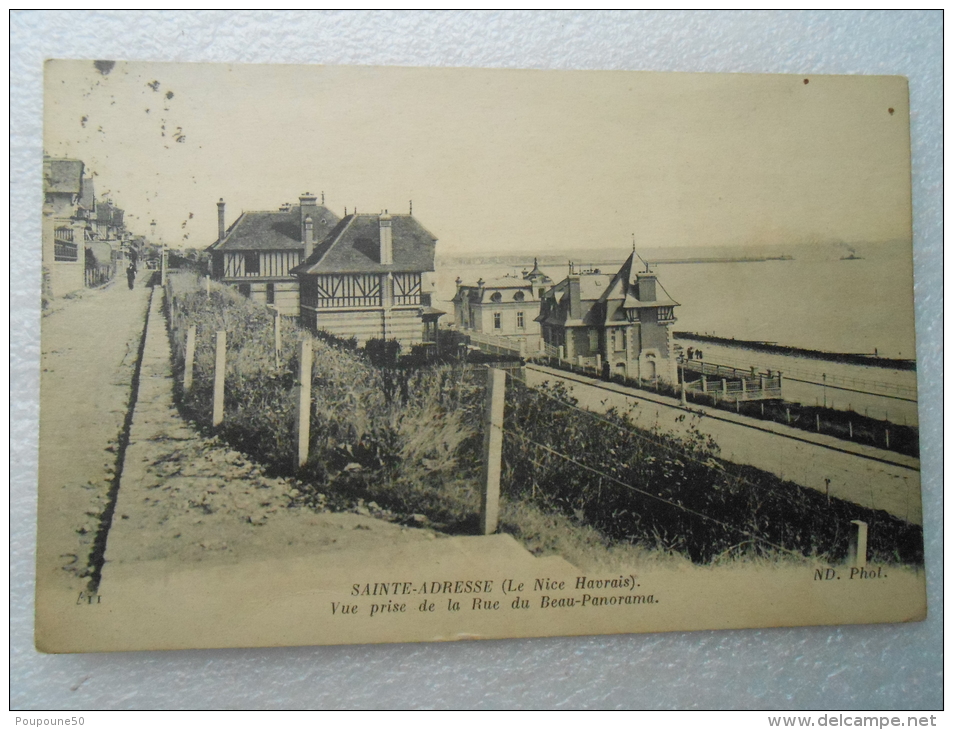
89 351
861 474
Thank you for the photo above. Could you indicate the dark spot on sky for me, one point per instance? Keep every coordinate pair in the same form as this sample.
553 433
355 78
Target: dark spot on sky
154 85
86 119
807 81
890 110
147 111
104 67
169 95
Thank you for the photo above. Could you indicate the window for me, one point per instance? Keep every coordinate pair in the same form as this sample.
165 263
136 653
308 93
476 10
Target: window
519 320
593 340
518 297
269 293
251 264
244 290
497 320
666 314
496 297
618 339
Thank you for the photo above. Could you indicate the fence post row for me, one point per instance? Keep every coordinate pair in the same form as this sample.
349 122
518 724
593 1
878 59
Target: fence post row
189 359
492 450
303 420
218 390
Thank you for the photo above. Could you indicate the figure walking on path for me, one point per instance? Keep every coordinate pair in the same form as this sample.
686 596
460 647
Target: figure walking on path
131 275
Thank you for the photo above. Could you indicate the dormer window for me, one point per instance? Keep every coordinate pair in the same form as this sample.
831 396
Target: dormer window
632 315
519 296
666 314
496 297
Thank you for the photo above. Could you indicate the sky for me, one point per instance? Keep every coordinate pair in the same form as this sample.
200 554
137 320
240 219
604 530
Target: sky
495 160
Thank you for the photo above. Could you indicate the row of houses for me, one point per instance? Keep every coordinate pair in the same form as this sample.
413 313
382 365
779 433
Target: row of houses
83 237
364 275
372 276
618 321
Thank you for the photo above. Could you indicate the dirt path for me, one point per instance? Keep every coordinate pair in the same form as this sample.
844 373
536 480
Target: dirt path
188 500
89 350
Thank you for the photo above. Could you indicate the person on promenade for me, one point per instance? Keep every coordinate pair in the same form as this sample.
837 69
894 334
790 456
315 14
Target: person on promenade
131 275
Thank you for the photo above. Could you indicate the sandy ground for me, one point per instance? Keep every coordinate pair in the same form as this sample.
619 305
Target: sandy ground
89 349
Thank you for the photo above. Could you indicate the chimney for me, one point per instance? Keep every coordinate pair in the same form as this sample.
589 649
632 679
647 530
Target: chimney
575 297
309 207
308 237
646 287
387 239
221 220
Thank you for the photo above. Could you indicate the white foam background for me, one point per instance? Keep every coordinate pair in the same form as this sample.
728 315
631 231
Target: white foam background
888 667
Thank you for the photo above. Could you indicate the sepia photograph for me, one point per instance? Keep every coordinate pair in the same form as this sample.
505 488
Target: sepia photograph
357 354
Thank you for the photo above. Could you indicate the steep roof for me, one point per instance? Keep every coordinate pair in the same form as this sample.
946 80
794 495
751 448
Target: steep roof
354 247
260 230
64 176
613 294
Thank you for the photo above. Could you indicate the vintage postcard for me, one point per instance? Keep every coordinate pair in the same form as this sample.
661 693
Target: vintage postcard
354 354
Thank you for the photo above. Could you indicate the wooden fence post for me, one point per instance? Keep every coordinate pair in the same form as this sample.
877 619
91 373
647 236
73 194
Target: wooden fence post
492 450
218 391
857 547
303 420
189 359
276 313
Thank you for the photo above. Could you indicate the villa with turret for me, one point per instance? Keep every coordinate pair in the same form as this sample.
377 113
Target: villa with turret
619 323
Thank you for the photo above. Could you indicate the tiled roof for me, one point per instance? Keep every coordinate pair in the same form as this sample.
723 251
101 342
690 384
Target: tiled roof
262 230
354 246
64 176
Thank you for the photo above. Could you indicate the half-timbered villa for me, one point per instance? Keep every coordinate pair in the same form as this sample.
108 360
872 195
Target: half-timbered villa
371 278
259 250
